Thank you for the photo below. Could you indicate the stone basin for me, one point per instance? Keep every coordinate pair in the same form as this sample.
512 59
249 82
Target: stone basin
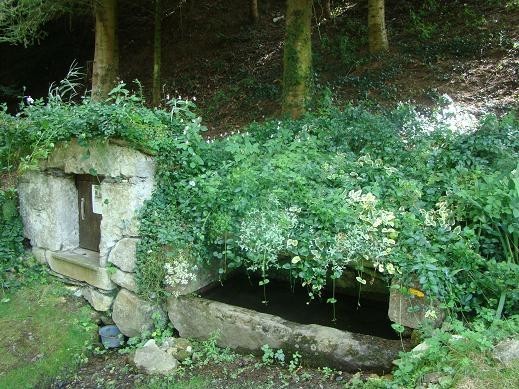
247 330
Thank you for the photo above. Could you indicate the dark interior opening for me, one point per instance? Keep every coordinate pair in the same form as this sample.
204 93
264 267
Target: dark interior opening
362 316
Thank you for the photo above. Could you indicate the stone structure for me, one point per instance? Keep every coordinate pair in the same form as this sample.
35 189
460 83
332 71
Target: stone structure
51 207
248 330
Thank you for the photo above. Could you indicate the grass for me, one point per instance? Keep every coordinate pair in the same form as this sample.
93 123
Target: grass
492 376
43 333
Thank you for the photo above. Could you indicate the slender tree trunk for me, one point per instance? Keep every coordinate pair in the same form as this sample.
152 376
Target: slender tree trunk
254 13
157 53
377 27
327 9
297 59
106 56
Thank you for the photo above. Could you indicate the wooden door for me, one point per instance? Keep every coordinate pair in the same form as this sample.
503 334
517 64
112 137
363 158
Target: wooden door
89 205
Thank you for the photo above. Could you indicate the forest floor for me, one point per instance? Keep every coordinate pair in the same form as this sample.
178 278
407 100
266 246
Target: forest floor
212 53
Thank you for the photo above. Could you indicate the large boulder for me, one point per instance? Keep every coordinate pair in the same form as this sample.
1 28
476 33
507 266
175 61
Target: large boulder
133 315
248 330
154 360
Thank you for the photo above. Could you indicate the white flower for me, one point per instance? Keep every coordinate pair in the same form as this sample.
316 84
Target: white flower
192 183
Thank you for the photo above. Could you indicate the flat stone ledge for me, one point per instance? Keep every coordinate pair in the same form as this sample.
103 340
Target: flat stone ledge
80 268
248 330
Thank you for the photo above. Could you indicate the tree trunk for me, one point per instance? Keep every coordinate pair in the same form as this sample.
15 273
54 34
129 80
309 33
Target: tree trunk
297 59
377 27
157 53
106 56
254 13
327 9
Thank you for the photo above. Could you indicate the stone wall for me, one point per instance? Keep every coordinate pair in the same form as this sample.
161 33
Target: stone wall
49 210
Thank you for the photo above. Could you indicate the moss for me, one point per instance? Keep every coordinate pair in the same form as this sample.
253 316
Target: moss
297 57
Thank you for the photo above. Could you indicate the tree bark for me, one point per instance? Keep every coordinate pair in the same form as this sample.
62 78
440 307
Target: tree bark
106 55
157 53
254 13
327 9
297 59
377 34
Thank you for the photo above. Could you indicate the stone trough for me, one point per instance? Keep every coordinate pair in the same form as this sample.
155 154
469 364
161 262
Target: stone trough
248 330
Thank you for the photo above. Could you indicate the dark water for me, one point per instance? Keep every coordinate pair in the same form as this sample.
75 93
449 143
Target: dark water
370 318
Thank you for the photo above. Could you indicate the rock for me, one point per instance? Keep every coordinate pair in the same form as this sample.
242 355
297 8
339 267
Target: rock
99 301
249 330
153 360
179 348
106 159
40 255
123 255
125 280
47 225
133 315
412 310
506 351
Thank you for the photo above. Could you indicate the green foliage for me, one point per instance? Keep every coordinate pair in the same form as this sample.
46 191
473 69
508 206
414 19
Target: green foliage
453 352
344 191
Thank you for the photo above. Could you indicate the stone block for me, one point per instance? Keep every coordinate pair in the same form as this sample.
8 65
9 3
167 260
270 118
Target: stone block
248 330
125 280
99 301
414 310
121 202
49 210
132 314
123 255
86 272
104 158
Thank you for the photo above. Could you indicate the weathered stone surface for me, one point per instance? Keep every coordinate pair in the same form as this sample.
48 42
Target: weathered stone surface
88 272
121 203
125 280
507 351
49 210
106 159
179 348
40 255
131 314
123 255
245 329
410 310
154 360
99 301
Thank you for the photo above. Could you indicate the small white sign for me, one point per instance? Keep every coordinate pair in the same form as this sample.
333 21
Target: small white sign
97 203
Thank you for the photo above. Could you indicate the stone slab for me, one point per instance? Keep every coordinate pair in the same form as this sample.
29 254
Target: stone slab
248 330
89 272
49 211
102 157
